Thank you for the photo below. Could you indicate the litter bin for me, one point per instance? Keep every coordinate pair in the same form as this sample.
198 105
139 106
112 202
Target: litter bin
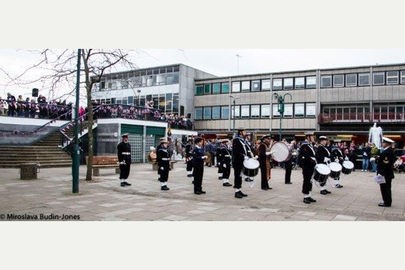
28 171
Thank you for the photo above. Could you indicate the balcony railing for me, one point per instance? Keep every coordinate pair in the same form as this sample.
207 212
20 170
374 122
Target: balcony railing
363 117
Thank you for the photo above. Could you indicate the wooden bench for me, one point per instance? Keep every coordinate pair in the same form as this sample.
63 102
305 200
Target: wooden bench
104 162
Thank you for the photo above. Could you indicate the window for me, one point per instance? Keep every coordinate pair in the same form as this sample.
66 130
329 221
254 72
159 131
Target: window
161 79
207 113
326 81
255 86
392 77
364 79
265 85
288 83
130 100
255 111
338 80
216 112
224 112
198 113
235 86
169 102
403 77
310 109
300 83
124 84
216 88
311 82
378 78
288 110
275 111
225 88
176 103
235 111
207 89
299 109
277 84
199 90
351 79
245 86
244 111
265 111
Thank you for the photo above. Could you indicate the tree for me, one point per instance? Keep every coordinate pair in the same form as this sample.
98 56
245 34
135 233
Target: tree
58 68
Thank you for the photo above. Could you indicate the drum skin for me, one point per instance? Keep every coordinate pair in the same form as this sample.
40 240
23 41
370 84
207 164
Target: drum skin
251 167
347 167
321 173
281 152
335 169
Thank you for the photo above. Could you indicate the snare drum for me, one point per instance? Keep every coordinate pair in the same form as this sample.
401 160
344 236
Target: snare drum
321 173
347 167
250 167
335 169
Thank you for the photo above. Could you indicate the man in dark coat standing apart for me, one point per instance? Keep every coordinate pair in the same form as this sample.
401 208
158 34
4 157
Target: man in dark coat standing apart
385 168
124 159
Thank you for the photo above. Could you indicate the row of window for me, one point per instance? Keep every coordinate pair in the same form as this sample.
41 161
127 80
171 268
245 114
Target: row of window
363 79
362 112
297 110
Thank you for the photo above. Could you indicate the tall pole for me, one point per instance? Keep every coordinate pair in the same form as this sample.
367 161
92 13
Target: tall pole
234 116
76 152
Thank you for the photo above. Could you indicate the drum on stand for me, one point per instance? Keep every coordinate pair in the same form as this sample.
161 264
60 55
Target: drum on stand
321 173
335 169
280 151
250 167
347 167
208 159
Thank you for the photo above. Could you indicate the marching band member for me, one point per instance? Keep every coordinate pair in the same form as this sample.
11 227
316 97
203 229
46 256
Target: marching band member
189 157
251 145
198 166
124 159
226 163
337 156
218 154
307 159
163 160
265 161
385 168
323 156
240 152
288 164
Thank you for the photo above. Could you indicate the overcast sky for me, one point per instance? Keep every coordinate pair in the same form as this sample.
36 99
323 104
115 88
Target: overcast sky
220 62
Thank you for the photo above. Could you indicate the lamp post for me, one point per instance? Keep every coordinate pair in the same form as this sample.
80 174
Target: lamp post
280 99
76 151
234 102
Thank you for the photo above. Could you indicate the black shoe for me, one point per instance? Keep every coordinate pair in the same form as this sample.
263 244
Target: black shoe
165 188
243 194
265 188
189 175
202 192
126 183
324 192
307 200
338 186
238 195
248 180
327 191
384 205
227 184
220 178
192 182
311 200
197 192
288 183
123 184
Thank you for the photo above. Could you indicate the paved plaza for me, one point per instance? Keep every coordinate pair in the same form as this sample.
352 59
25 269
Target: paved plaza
104 199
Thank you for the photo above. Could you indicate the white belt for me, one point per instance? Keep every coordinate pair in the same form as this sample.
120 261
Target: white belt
227 155
165 158
126 153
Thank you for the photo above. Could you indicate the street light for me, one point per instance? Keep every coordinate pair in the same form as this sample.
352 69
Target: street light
280 99
234 101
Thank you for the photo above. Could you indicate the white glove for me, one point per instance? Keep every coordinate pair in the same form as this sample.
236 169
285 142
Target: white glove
326 159
122 163
204 157
268 153
256 157
346 158
246 157
162 168
224 165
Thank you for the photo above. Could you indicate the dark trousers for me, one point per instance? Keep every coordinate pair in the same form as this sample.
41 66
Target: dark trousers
288 169
124 171
307 185
212 158
164 174
386 191
198 176
189 167
237 169
220 169
263 171
226 172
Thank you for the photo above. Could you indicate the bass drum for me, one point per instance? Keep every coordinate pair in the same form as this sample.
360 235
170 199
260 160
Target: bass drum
335 169
250 167
321 173
347 167
280 151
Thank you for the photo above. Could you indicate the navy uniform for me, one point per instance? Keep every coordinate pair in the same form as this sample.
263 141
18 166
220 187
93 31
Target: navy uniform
385 168
323 156
288 166
163 160
189 158
307 159
337 156
124 158
240 152
198 166
226 156
218 154
265 162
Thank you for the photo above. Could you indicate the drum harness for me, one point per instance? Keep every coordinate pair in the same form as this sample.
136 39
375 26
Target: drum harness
252 183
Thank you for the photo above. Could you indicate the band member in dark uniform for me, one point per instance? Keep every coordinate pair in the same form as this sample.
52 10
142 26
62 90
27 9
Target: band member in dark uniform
198 166
218 154
189 157
337 156
124 159
240 152
385 168
288 164
250 144
163 160
226 163
323 156
307 159
265 162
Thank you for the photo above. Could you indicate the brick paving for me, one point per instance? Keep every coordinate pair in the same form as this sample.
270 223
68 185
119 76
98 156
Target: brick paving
104 199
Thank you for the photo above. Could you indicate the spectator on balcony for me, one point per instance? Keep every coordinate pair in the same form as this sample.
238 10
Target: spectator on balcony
3 107
34 110
20 106
365 153
11 102
27 108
